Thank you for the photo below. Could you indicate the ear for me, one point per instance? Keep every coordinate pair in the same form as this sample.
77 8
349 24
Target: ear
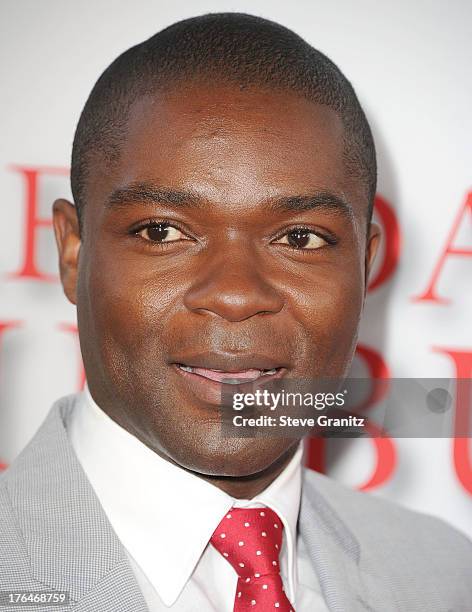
66 231
373 241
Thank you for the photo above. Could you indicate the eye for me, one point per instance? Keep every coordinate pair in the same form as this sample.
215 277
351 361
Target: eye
161 232
302 238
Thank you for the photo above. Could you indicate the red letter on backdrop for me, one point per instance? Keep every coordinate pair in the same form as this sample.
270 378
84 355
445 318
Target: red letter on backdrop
33 222
430 294
462 458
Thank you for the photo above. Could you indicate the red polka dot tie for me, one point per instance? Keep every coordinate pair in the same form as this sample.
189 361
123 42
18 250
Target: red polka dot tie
250 539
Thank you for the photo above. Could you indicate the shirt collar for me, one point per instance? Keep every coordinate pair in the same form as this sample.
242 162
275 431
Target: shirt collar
164 515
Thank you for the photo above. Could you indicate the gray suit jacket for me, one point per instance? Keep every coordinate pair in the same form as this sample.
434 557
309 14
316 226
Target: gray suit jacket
369 554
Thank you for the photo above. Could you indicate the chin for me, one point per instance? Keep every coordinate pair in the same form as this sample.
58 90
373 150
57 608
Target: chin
233 457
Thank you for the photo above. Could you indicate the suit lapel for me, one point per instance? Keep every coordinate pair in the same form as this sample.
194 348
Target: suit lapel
336 555
70 543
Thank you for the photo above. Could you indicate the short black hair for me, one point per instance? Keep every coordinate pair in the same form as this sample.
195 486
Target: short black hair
227 48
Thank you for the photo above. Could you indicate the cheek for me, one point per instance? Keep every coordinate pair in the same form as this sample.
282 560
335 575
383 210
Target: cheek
327 307
126 304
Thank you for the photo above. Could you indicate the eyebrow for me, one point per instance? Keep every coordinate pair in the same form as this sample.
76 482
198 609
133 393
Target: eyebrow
149 193
321 200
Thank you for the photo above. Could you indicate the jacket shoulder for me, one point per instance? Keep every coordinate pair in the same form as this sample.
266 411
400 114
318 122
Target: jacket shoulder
393 534
15 570
25 475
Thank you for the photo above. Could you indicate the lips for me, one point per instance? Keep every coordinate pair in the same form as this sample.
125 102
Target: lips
228 362
229 377
206 375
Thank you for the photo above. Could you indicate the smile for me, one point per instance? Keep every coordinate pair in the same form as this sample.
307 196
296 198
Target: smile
208 375
229 378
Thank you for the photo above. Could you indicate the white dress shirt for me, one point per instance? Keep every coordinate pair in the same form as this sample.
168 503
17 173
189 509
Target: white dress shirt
148 502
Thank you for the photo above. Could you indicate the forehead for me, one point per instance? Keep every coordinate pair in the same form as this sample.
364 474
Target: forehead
233 146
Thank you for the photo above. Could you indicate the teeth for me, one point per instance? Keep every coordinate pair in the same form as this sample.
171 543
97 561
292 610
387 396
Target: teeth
186 368
269 372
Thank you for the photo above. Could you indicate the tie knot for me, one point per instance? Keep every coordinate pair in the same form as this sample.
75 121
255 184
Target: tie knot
250 539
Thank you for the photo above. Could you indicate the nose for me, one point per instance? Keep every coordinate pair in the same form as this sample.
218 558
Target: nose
234 288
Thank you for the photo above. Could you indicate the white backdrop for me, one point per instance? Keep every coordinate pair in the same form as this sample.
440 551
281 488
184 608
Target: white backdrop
410 65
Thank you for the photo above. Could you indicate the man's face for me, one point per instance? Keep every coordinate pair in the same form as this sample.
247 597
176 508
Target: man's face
206 253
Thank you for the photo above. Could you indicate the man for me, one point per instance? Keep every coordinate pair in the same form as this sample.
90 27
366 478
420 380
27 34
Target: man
223 174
